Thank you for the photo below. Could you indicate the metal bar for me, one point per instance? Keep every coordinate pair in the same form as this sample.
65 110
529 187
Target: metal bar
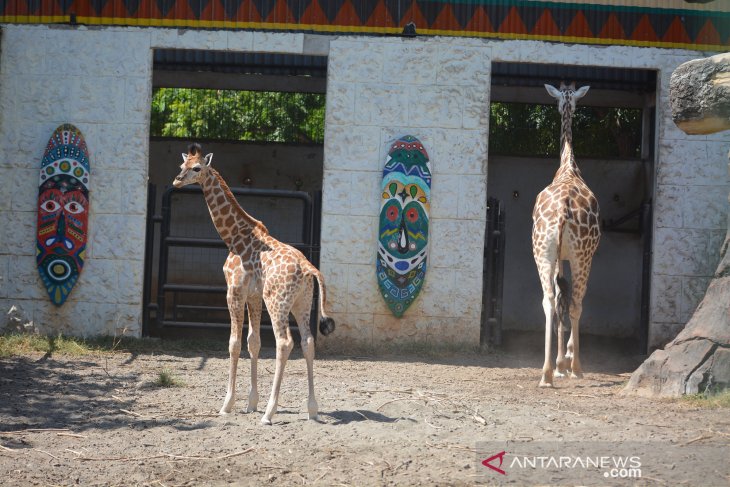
643 331
193 288
499 284
149 246
199 242
204 325
162 264
202 307
487 322
166 241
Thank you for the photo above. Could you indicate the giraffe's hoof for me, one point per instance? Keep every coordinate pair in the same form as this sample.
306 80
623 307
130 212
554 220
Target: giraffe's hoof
576 375
266 421
223 412
544 383
558 373
251 409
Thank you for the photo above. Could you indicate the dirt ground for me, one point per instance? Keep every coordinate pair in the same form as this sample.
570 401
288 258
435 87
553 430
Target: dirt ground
385 420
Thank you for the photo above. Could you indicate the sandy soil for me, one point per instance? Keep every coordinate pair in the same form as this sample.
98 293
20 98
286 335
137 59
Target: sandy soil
387 420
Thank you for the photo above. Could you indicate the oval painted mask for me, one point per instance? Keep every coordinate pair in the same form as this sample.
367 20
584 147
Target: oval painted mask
63 212
403 225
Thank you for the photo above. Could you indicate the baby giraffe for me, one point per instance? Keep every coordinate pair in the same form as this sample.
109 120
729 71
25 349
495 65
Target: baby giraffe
258 266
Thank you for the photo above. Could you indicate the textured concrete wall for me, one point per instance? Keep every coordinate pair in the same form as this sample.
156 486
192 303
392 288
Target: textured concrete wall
100 82
379 88
99 79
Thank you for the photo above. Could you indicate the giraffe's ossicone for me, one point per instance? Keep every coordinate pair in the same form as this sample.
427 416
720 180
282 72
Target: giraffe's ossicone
403 227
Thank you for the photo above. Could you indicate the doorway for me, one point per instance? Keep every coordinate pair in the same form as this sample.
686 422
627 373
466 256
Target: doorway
613 132
262 116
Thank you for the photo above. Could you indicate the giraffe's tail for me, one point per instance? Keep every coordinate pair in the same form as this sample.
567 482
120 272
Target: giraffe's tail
563 307
326 323
564 287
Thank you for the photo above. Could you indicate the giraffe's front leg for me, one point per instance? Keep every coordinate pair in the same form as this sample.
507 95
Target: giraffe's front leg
254 345
236 308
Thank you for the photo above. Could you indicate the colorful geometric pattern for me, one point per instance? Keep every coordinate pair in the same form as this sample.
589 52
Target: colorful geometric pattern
403 232
670 23
63 212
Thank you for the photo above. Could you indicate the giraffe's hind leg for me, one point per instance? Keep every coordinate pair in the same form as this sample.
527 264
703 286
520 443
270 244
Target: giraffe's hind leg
546 267
254 345
301 311
580 269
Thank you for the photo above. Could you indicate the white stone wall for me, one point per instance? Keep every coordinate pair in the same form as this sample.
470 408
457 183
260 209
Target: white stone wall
99 79
435 88
100 83
379 88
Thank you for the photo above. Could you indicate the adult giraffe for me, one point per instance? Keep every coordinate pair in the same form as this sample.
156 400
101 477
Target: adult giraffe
258 266
565 227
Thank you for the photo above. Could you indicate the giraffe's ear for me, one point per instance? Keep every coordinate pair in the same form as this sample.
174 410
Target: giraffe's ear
552 91
208 159
580 92
185 157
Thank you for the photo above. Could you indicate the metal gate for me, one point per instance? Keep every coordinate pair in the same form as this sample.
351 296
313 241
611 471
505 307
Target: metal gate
493 274
185 289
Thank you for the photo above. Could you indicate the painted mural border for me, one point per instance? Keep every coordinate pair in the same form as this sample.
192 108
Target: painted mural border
338 29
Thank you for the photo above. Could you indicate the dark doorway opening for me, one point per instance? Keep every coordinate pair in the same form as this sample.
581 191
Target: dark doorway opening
614 145
261 115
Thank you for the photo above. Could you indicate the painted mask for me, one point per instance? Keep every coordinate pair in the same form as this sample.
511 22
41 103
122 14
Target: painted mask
63 212
403 231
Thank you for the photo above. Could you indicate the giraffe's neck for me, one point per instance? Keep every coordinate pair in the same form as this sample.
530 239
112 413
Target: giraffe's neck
234 225
567 158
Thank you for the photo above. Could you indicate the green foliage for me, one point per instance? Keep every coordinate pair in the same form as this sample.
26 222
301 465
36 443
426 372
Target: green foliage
534 130
238 115
709 400
23 344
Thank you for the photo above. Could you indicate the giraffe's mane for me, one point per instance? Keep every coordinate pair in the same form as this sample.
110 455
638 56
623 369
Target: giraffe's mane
237 207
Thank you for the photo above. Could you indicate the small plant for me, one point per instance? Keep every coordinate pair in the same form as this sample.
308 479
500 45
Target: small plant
708 400
166 379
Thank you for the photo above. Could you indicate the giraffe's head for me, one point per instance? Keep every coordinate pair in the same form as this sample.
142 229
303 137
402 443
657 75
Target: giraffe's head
194 166
567 95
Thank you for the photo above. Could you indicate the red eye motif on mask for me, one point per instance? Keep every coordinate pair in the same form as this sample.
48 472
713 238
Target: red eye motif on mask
73 207
412 215
50 206
392 213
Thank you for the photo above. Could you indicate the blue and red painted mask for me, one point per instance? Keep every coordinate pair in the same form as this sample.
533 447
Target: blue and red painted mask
63 212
